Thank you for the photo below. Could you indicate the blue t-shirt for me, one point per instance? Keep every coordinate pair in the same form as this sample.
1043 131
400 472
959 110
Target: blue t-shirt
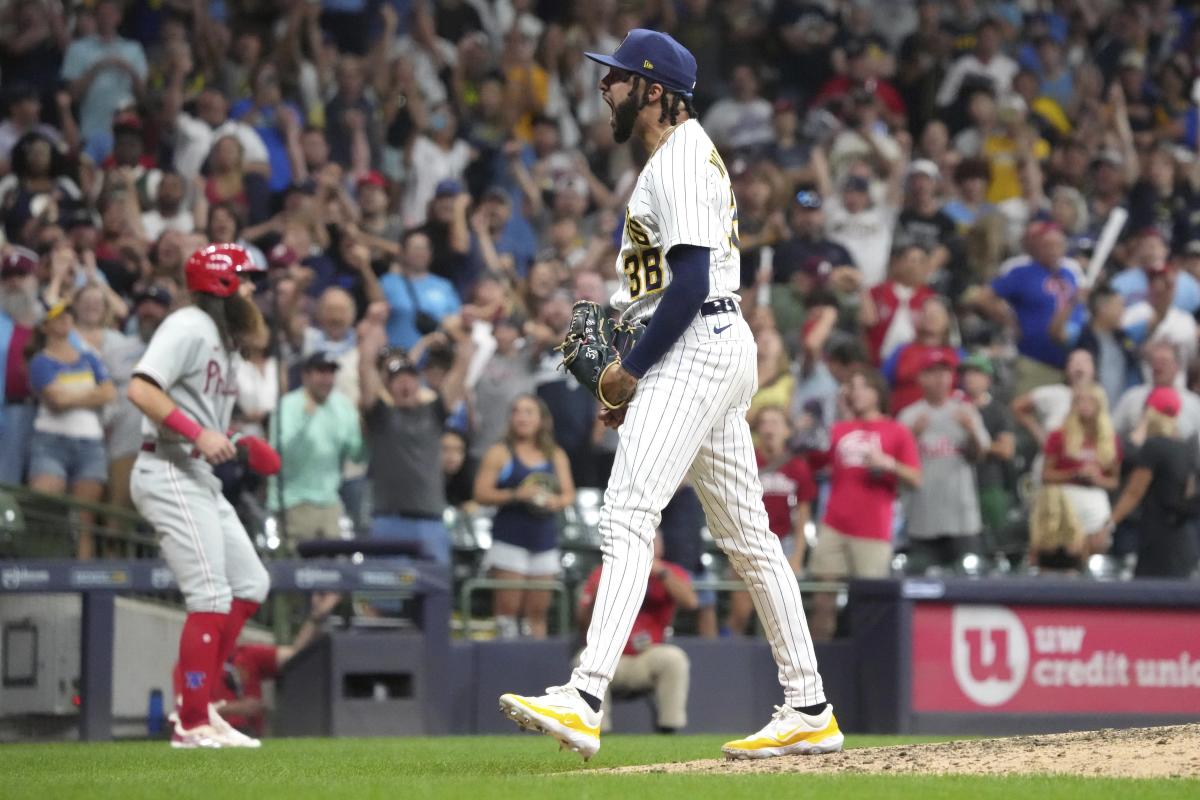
1133 286
435 296
44 371
267 127
1034 293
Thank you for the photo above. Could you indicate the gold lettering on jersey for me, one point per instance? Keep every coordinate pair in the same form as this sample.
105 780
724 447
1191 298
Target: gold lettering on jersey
642 266
733 239
714 158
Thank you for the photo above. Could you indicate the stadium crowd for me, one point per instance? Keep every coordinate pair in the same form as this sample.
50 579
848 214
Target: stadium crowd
945 371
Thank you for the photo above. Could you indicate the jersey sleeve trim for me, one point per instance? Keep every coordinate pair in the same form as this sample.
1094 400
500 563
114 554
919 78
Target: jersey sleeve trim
148 372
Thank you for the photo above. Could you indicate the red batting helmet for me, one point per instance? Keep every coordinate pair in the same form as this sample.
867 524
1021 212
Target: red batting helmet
214 269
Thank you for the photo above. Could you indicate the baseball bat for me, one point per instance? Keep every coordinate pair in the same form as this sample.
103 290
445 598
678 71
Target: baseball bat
1104 245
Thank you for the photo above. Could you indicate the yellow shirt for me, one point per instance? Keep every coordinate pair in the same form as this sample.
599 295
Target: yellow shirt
777 393
535 85
1001 153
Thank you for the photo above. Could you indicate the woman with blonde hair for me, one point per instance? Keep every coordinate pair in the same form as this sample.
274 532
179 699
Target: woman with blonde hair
528 476
1162 487
1083 459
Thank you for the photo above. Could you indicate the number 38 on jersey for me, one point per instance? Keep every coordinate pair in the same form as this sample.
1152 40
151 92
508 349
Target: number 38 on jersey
642 263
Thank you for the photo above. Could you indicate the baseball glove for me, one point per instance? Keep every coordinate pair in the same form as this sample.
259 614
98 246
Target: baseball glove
593 344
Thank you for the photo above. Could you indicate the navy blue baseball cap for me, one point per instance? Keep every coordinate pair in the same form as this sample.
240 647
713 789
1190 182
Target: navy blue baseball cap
656 56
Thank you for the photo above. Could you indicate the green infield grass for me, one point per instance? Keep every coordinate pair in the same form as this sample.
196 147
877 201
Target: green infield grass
484 768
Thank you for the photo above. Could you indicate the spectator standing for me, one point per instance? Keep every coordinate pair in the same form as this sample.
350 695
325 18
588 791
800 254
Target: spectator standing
741 121
942 514
194 136
1164 371
436 155
20 312
95 307
994 474
504 377
104 73
1084 459
890 310
870 457
528 476
788 494
170 211
923 222
1149 255
67 448
987 65
418 300
903 368
1156 319
649 662
863 226
257 384
1118 364
1161 487
1040 298
403 432
316 432
1045 408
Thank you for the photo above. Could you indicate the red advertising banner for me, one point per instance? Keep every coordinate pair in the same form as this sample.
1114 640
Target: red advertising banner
1041 659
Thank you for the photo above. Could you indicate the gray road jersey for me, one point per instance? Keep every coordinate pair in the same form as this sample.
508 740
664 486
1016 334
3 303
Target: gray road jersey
186 358
947 502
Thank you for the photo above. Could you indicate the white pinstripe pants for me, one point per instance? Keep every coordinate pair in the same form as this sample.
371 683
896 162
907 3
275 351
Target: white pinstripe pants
688 419
202 539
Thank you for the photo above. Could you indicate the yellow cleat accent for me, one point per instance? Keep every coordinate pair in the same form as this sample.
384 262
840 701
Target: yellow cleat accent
789 733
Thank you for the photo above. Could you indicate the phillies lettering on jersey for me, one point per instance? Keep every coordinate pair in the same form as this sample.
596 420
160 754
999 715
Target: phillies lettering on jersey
682 196
188 361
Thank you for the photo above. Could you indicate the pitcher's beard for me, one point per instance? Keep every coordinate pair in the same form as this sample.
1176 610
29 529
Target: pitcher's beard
624 116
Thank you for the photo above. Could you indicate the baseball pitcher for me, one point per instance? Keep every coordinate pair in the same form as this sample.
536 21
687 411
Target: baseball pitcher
679 391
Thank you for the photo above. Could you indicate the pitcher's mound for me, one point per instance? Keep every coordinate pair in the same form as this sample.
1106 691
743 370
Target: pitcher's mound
1166 752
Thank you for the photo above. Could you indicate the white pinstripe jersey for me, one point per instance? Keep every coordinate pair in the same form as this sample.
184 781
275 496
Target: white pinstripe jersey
682 196
186 359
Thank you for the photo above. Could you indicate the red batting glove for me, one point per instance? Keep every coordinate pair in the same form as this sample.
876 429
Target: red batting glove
259 456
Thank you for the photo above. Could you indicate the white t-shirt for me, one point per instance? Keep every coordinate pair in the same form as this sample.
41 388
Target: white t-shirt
1177 329
430 165
735 124
154 223
194 139
1051 404
866 234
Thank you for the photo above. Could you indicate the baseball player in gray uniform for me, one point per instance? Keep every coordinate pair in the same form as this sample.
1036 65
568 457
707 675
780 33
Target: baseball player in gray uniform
680 398
185 385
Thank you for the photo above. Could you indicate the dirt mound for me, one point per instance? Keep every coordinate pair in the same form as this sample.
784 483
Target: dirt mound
1167 752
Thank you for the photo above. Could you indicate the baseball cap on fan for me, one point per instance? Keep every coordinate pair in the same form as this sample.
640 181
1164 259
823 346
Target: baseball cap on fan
656 56
1165 400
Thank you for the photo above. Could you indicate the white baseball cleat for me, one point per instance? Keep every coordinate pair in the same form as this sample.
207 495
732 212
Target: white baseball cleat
232 735
197 738
561 714
790 733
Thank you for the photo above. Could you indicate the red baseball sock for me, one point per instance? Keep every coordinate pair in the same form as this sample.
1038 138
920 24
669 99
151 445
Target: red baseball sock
199 645
239 611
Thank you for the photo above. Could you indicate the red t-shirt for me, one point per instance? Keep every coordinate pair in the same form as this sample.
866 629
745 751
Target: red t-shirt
860 501
784 486
16 369
656 613
1058 460
887 304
